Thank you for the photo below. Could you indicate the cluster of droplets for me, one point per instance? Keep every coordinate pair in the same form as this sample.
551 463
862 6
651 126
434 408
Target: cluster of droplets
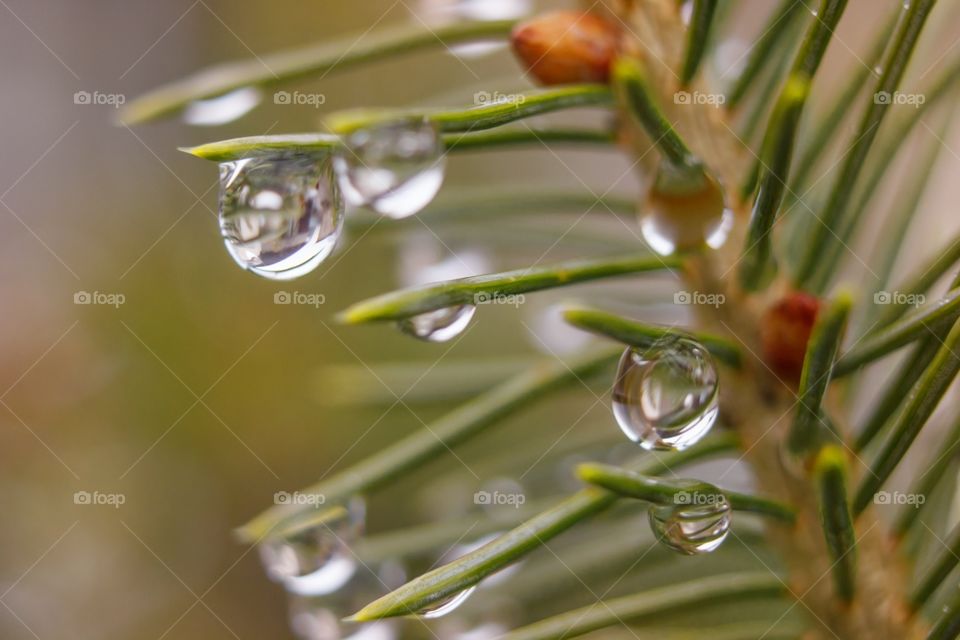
281 216
667 398
326 582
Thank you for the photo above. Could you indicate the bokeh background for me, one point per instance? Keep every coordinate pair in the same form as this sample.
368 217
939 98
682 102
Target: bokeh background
198 397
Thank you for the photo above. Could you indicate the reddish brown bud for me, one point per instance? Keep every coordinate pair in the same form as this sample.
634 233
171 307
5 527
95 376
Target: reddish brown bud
565 47
785 332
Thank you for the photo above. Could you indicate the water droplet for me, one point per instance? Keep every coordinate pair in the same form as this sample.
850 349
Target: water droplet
438 325
395 168
279 217
447 605
693 528
674 219
878 71
321 618
222 109
666 397
316 561
686 12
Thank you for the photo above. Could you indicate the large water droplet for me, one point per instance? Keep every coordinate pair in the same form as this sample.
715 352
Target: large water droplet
395 168
666 397
279 217
318 560
692 528
438 325
222 109
448 605
674 218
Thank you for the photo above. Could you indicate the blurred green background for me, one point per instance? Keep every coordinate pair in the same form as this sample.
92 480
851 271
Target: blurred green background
198 397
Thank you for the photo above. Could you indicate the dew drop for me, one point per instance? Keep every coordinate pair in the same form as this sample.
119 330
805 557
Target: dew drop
674 219
222 109
450 604
279 217
321 618
396 168
666 397
438 325
692 529
318 560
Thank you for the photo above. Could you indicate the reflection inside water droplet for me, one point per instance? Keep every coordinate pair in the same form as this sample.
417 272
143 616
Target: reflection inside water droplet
666 397
439 325
395 168
321 618
692 528
674 218
317 561
447 605
222 109
279 217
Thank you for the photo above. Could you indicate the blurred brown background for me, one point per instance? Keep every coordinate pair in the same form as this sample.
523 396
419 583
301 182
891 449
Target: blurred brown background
198 397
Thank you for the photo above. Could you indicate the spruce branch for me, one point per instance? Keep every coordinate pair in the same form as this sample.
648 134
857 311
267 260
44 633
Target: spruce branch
672 492
324 143
832 216
698 37
729 588
463 423
479 118
410 302
923 399
438 584
296 64
645 336
830 472
818 366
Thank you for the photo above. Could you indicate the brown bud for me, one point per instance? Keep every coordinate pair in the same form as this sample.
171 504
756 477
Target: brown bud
785 332
564 47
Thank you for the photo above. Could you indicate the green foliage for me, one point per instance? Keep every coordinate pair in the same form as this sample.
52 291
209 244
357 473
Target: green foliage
759 411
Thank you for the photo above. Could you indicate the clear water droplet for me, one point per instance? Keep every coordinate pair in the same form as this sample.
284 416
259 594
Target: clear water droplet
439 325
686 12
878 71
448 605
694 528
279 217
396 168
317 561
674 219
666 397
222 109
321 618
